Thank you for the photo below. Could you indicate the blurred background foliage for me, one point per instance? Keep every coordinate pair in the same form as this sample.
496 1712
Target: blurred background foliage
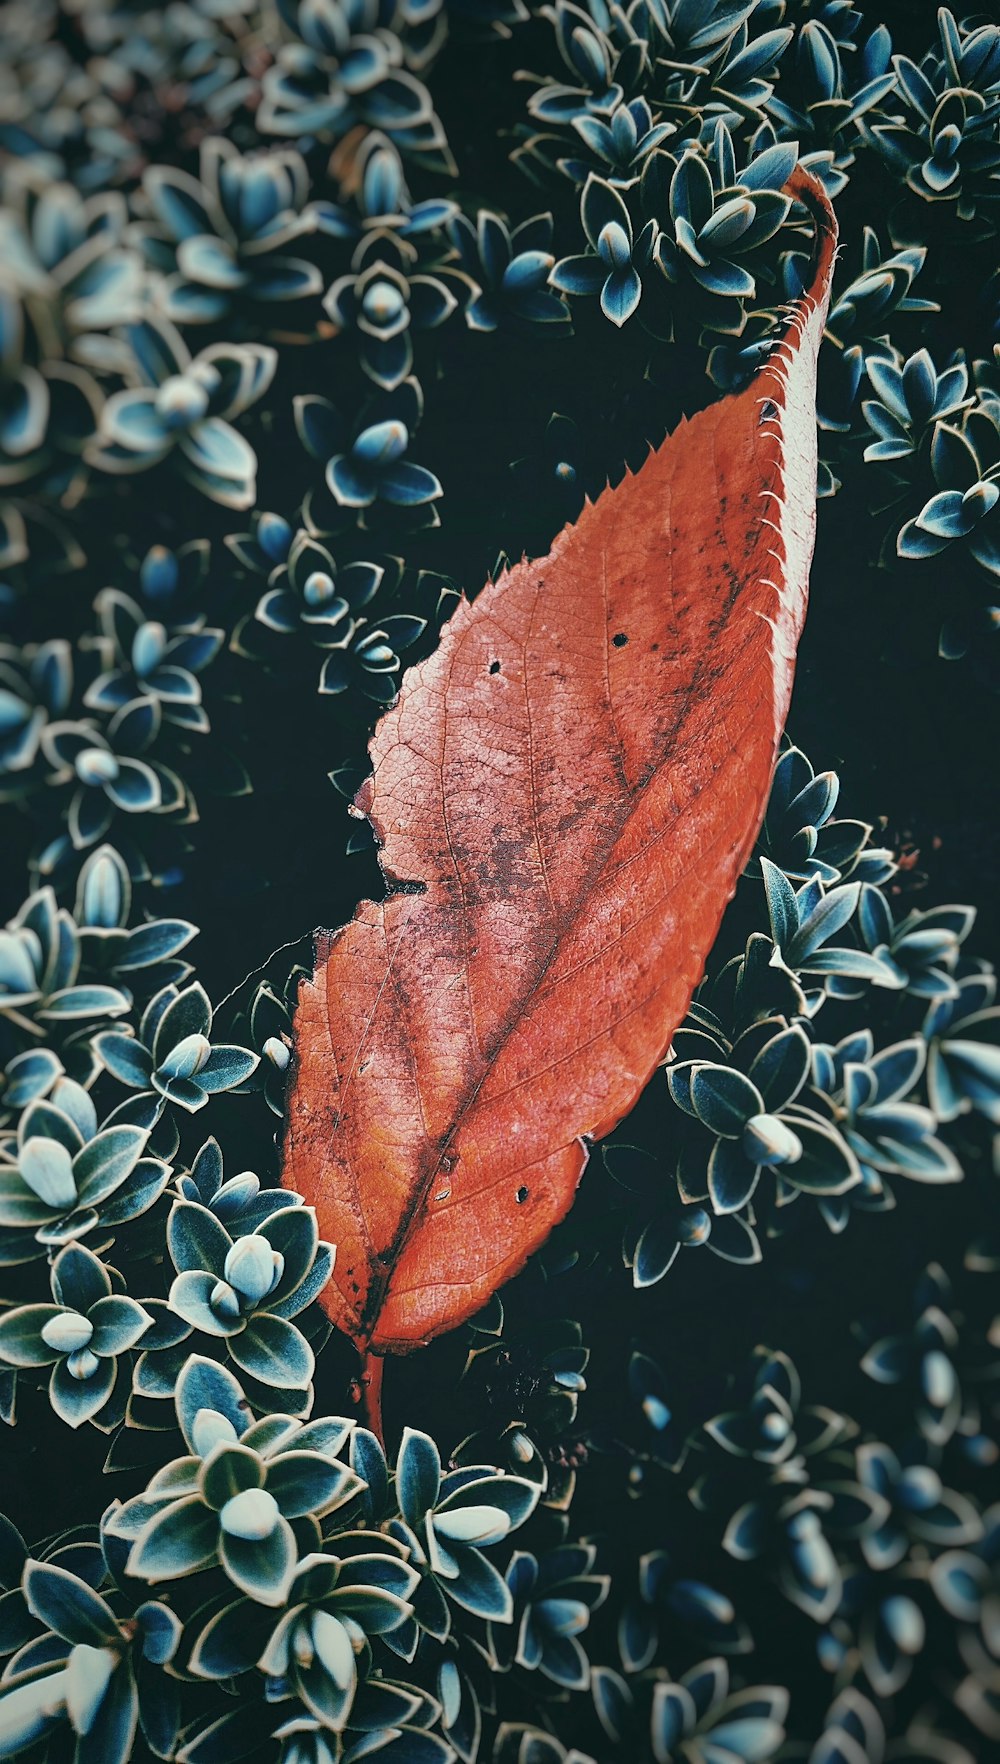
311 315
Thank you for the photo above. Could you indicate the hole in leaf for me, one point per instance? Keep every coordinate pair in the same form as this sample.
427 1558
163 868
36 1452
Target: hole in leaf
619 640
521 1196
404 885
494 667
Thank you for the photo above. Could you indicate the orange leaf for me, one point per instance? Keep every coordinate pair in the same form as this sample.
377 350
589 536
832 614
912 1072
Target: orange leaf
566 793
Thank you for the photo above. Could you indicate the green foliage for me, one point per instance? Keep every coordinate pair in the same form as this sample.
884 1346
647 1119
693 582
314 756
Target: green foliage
268 343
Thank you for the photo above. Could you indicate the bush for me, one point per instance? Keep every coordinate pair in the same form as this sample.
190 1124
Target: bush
309 314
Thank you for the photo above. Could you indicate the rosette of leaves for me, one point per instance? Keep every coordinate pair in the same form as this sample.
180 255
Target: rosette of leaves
649 1389
312 595
446 1522
785 1526
696 1718
342 68
530 1382
171 583
919 952
24 397
96 1671
618 256
382 307
660 1220
141 657
84 1333
944 146
48 410
747 988
305 590
911 396
801 836
852 1720
219 239
67 258
43 996
553 1599
372 660
713 221
831 86
101 773
321 1650
36 685
247 1497
910 417
30 1075
195 60
65 1176
304 1740
751 1119
615 146
244 1290
179 408
880 1626
69 281
858 323
171 1058
238 1201
965 464
508 269
962 1032
774 1426
687 59
715 60
801 1490
803 921
689 1607
139 960
367 462
922 1359
383 216
965 1581
267 1025
519 1743
887 1135
54 108
921 1508
604 56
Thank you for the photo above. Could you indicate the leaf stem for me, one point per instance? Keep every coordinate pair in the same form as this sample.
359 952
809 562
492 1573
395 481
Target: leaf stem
370 1380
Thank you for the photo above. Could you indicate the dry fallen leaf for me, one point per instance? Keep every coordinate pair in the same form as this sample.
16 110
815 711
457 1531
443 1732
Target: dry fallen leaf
566 793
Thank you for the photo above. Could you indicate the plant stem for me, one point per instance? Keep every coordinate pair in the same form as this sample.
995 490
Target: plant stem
370 1380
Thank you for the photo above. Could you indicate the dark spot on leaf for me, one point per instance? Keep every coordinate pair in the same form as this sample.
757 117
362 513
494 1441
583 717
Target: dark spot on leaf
619 640
403 885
